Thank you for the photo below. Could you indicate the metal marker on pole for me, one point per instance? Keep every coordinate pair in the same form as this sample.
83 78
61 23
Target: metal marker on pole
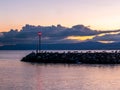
39 41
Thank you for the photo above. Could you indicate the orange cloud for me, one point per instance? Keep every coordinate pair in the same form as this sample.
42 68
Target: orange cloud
5 28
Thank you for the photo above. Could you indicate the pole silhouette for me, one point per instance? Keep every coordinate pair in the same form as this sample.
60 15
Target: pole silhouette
39 42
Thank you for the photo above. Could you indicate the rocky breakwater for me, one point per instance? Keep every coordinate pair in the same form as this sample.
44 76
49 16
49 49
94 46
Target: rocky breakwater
74 57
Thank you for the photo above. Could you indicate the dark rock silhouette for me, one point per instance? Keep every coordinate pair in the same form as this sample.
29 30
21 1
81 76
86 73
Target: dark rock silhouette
74 57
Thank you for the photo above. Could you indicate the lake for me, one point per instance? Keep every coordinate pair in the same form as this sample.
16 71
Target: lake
17 75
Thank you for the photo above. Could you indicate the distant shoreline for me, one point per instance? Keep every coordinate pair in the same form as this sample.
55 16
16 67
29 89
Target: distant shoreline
65 46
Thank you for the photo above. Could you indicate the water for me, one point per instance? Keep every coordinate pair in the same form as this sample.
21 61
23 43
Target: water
17 75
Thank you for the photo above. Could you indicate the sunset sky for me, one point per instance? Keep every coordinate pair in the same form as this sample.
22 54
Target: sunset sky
98 14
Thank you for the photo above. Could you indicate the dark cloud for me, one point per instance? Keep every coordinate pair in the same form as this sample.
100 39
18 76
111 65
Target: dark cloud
51 34
108 37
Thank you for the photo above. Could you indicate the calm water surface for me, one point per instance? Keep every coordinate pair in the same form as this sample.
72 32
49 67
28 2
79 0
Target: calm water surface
16 75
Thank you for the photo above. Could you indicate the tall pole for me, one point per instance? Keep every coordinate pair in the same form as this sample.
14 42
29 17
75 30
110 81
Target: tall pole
39 42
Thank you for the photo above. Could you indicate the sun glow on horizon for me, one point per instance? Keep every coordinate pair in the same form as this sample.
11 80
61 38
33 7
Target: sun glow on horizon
80 38
85 38
105 42
6 28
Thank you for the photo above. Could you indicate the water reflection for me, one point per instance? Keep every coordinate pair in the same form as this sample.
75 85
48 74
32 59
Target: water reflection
76 77
16 75
74 65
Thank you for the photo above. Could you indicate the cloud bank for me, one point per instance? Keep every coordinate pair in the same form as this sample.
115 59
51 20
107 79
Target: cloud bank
57 34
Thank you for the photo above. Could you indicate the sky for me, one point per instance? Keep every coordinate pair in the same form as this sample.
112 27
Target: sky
98 14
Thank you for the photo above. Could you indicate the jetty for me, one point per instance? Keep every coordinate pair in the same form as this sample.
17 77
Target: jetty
74 57
89 57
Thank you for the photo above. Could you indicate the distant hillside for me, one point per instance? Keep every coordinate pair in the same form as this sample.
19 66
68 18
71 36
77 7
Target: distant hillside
71 46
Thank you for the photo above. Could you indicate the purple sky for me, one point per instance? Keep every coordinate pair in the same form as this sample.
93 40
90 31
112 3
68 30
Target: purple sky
99 14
